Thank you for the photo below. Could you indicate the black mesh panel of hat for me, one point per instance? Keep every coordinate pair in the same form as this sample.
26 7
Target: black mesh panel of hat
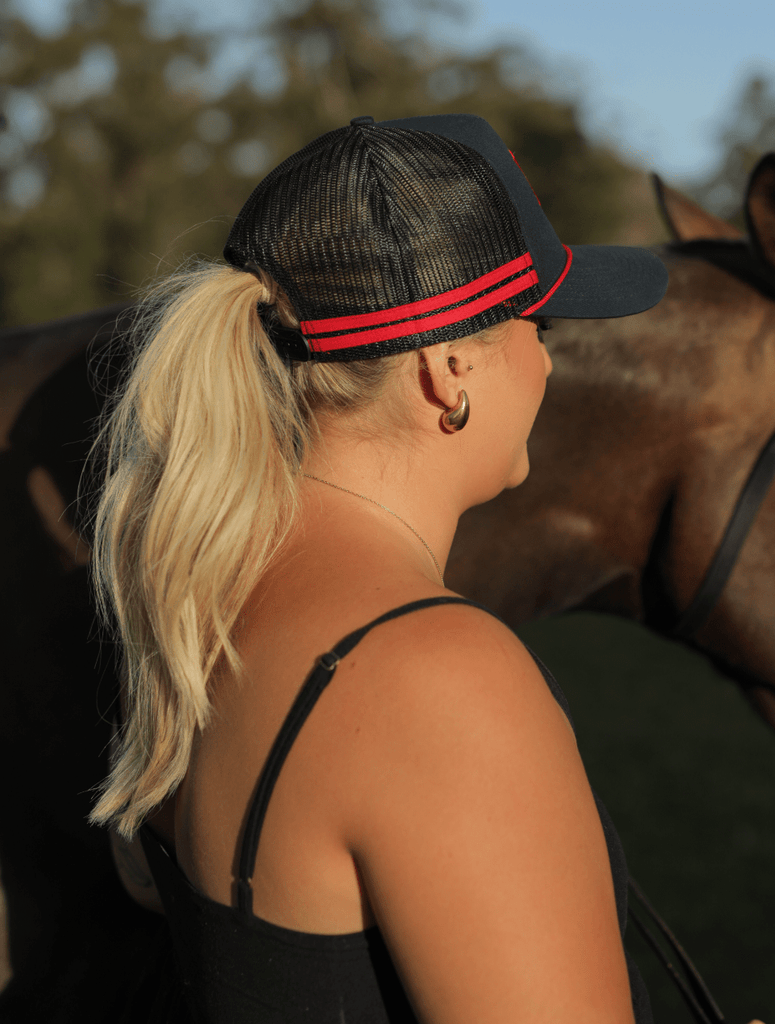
366 219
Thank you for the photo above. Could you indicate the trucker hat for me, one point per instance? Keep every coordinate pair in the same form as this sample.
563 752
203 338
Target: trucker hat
394 235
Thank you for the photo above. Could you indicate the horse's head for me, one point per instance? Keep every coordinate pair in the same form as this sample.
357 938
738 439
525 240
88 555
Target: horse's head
723 281
749 258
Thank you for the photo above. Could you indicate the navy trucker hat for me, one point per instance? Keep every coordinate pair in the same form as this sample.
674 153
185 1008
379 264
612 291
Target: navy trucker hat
394 235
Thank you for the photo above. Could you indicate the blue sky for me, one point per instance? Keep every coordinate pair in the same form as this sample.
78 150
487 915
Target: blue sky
656 79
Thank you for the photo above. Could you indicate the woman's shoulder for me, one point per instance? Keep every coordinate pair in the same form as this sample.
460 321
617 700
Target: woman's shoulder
421 652
411 633
445 637
454 663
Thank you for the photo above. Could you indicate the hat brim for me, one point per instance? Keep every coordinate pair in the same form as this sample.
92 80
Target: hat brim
607 281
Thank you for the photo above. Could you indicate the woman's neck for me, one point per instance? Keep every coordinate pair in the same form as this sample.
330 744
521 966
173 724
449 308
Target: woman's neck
392 496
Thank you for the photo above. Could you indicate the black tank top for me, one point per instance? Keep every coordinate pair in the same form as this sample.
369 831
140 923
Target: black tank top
232 967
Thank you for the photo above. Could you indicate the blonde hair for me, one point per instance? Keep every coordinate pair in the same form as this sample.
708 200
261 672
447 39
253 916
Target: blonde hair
197 458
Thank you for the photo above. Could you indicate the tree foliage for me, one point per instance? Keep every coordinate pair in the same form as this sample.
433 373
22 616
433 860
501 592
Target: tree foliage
118 159
747 134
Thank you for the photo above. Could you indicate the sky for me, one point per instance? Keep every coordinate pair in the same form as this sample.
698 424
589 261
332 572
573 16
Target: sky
656 80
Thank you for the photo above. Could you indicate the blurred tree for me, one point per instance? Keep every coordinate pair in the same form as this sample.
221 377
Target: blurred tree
746 135
107 162
119 154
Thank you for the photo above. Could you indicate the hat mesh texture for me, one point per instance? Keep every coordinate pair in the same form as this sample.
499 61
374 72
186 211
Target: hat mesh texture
366 219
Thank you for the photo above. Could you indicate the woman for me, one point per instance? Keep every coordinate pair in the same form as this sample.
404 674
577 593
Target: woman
287 463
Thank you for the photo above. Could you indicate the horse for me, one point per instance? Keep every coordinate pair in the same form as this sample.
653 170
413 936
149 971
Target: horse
70 923
649 427
647 433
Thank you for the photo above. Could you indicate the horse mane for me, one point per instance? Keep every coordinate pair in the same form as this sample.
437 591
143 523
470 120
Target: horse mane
735 257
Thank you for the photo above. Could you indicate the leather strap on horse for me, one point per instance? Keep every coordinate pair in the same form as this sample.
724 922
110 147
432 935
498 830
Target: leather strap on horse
693 990
751 497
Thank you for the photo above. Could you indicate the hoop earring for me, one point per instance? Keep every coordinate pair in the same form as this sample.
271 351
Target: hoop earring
456 419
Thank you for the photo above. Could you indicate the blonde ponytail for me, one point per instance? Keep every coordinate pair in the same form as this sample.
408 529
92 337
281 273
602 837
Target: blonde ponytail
200 449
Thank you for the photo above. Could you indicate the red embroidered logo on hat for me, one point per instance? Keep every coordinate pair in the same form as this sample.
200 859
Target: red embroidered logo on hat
525 177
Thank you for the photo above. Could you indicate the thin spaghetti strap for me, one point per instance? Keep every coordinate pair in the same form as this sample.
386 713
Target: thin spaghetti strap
295 719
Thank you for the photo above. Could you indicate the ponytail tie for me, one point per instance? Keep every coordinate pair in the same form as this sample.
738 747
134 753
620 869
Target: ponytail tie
289 343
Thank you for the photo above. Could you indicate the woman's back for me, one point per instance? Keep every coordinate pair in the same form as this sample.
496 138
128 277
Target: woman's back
305 876
376 801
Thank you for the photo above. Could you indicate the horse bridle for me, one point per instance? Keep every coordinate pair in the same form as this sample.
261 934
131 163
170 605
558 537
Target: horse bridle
692 988
751 497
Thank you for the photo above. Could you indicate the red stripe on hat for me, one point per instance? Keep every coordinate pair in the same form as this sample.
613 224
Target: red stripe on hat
429 323
554 287
410 309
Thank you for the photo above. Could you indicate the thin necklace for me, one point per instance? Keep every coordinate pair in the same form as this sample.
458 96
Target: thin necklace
309 476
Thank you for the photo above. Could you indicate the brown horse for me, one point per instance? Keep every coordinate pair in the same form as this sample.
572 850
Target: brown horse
70 923
647 433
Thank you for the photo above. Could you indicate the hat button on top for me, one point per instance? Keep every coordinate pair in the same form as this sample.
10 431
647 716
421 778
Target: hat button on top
364 119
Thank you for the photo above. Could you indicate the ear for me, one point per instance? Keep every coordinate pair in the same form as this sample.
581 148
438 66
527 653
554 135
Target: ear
760 209
686 220
443 381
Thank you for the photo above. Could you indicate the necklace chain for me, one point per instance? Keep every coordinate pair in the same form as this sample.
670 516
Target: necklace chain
309 476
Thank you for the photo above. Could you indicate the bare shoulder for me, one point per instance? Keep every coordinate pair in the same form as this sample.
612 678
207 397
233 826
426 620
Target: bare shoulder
457 661
451 689
476 832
